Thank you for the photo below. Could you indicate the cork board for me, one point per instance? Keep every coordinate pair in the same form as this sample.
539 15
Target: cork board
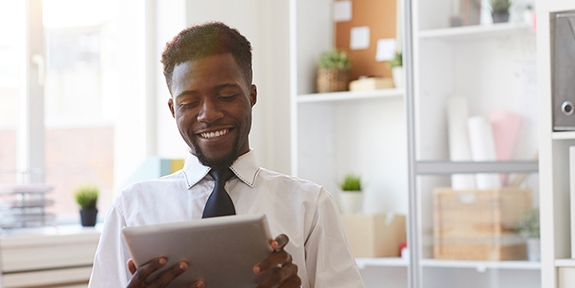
380 16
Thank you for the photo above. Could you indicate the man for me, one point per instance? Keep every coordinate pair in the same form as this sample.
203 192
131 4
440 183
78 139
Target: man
209 75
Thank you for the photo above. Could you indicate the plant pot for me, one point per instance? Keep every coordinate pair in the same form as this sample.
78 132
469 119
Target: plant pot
398 76
332 80
88 217
500 16
350 201
534 249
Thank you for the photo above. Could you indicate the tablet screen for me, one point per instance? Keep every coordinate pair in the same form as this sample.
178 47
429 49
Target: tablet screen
221 250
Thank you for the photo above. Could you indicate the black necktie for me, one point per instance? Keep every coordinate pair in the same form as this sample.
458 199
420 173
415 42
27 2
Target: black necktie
219 203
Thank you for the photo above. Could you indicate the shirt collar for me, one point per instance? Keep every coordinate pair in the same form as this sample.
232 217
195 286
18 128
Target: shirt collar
245 168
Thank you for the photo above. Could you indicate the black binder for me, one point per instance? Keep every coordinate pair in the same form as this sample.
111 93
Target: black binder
563 71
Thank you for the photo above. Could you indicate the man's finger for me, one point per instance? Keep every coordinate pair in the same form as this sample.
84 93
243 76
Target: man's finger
293 281
285 276
169 275
280 242
131 266
276 259
198 284
144 271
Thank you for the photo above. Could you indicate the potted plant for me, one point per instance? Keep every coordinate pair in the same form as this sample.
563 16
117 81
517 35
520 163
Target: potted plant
528 228
333 71
500 10
396 65
351 196
87 198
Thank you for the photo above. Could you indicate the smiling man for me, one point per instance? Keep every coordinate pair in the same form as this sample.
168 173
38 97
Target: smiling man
208 71
215 127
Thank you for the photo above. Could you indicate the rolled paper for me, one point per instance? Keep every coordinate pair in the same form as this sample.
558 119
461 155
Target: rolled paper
483 149
459 149
505 127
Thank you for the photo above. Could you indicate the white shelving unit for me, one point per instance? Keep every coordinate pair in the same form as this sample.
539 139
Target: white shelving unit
382 262
474 32
482 265
337 133
493 67
563 135
354 96
558 269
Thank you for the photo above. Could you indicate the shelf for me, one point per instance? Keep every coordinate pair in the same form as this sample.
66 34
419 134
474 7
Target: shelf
447 167
564 262
570 135
348 95
482 265
382 262
474 32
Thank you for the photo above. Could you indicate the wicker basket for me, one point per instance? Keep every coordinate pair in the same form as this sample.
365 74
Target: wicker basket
332 80
478 224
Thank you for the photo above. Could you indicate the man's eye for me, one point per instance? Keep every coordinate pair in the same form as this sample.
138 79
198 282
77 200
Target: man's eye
227 97
186 105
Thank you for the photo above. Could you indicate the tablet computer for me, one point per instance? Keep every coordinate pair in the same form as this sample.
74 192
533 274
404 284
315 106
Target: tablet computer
222 251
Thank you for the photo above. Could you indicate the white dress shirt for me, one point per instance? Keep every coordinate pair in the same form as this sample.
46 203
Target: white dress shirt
302 210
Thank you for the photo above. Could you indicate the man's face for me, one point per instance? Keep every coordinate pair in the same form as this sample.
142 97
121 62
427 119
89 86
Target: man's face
212 105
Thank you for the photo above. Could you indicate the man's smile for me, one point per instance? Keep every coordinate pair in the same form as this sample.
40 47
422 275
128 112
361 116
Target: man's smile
213 134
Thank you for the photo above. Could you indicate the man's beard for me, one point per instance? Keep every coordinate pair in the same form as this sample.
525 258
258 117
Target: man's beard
224 161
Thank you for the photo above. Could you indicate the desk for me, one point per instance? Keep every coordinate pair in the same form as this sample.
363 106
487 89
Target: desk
48 257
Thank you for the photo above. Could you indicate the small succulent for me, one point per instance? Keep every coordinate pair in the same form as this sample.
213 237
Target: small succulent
334 58
500 5
528 226
351 183
87 196
397 60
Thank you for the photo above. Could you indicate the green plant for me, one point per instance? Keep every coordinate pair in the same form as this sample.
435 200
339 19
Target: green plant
87 196
397 60
528 226
500 5
334 59
351 182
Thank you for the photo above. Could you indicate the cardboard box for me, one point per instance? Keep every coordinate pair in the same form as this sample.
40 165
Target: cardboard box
478 224
378 235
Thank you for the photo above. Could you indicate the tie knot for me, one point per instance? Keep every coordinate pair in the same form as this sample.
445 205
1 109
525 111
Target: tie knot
221 175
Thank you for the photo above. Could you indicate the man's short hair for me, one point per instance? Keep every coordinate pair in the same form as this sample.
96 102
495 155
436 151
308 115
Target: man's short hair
208 39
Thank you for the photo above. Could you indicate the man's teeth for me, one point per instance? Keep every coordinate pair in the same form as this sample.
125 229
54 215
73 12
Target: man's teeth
209 135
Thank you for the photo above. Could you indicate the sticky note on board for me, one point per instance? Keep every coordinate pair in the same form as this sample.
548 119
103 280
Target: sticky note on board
359 38
342 11
385 49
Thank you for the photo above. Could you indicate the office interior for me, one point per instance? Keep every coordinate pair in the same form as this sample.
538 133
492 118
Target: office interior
83 101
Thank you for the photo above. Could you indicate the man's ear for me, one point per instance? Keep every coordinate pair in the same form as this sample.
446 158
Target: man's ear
253 94
171 105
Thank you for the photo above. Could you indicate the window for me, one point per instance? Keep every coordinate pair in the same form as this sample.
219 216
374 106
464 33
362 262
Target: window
81 92
81 84
10 29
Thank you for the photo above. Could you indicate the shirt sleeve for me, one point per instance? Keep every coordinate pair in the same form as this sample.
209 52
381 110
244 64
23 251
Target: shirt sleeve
329 260
110 269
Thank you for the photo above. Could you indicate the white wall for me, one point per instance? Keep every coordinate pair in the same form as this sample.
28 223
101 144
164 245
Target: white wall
130 134
169 20
266 25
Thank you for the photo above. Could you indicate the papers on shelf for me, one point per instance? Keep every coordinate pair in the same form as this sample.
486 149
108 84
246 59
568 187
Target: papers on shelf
25 188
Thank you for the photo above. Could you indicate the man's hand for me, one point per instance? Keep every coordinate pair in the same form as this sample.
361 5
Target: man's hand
283 273
142 273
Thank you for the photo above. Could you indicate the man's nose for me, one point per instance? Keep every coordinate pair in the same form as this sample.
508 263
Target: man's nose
210 111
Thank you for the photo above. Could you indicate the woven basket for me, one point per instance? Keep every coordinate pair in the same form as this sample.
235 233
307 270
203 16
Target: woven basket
332 80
